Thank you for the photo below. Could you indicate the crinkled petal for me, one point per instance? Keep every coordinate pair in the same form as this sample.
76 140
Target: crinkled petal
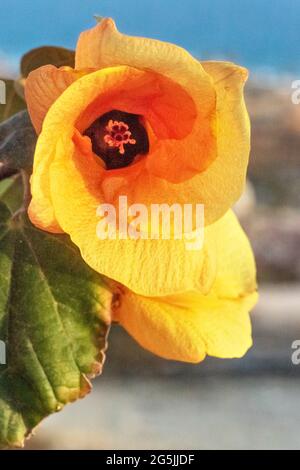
148 267
79 105
189 326
73 186
224 181
43 86
236 269
176 161
104 46
216 153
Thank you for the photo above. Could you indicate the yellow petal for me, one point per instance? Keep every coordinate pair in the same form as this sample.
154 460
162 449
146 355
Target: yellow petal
149 267
40 211
174 160
188 326
224 181
43 86
236 270
67 187
221 172
104 46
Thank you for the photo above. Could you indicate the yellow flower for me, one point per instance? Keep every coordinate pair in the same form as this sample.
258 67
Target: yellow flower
144 119
198 130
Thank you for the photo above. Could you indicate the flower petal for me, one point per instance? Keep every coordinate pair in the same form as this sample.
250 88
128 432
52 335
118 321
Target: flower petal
228 171
77 107
43 86
40 211
68 186
76 188
210 188
104 46
176 161
236 270
216 153
188 326
148 267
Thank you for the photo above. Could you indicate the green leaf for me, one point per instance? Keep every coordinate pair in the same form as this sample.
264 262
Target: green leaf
13 103
5 186
11 192
46 55
54 322
17 141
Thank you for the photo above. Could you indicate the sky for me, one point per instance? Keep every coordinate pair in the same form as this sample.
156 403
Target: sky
255 33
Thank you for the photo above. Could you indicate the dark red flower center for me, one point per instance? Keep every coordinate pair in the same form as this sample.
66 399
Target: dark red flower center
118 138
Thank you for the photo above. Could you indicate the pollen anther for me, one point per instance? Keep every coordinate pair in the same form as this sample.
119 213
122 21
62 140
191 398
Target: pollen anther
118 135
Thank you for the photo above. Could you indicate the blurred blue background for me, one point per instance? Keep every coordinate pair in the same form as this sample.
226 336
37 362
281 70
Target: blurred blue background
261 34
143 401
